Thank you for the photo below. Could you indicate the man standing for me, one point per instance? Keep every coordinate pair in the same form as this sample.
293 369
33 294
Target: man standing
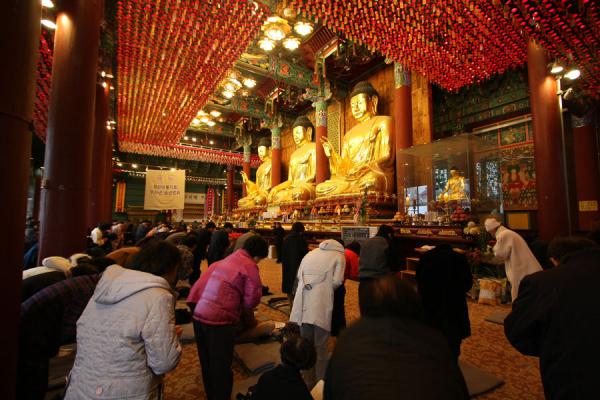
203 237
321 272
443 278
557 318
510 247
375 257
293 249
219 242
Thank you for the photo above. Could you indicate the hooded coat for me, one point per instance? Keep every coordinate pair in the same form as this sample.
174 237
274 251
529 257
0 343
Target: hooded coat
519 261
125 338
321 272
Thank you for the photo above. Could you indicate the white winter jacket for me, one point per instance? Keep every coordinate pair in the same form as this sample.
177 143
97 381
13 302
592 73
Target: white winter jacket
519 261
125 338
321 272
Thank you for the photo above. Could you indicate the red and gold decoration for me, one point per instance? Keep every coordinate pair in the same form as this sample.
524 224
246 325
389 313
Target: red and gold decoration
458 42
42 89
189 153
451 42
171 56
120 197
568 29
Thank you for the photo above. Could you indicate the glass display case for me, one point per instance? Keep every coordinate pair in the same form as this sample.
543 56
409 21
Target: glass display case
470 175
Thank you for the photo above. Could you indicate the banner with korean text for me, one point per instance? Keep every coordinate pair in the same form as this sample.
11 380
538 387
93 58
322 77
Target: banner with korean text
165 190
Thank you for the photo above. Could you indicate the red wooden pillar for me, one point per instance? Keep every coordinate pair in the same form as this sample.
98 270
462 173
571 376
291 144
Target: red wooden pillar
68 160
553 212
321 131
246 165
230 189
99 160
587 175
107 178
402 124
37 191
275 156
20 32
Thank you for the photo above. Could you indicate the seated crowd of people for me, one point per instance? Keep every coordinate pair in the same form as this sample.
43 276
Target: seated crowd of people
117 301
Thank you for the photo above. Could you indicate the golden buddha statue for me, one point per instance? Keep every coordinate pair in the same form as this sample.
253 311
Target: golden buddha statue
303 169
366 161
257 192
455 187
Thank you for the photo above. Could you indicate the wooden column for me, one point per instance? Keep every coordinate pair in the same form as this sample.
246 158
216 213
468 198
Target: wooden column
99 160
587 175
20 32
37 191
402 124
230 189
320 132
68 159
553 213
107 178
246 165
275 156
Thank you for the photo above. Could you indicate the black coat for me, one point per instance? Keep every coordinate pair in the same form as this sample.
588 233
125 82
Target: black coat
443 278
293 250
278 234
557 318
283 382
219 242
392 358
34 284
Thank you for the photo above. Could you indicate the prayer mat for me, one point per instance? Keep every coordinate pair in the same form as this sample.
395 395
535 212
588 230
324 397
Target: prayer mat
497 317
479 381
258 358
277 302
188 334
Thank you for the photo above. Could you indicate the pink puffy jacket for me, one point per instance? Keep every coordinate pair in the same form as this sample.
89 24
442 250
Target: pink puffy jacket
228 286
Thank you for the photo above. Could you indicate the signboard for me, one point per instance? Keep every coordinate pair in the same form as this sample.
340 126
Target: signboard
357 233
194 198
589 205
165 190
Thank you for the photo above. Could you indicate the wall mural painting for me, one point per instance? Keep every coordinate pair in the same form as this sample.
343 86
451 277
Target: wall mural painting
517 168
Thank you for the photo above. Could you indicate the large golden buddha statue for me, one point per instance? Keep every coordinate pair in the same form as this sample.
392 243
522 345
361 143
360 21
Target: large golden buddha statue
257 192
366 161
302 171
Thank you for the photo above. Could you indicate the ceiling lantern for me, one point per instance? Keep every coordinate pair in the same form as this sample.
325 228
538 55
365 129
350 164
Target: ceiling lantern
276 28
266 44
291 43
303 28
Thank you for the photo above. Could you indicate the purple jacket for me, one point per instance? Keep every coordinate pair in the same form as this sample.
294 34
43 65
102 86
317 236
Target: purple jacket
228 286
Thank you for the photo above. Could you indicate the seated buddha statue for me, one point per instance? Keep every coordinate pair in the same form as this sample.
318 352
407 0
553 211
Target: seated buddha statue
303 169
455 187
366 161
257 192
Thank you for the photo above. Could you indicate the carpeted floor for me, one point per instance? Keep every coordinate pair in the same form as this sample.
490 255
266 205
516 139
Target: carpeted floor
486 349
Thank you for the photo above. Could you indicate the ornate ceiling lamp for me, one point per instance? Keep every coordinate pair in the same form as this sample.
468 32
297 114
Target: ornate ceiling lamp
276 28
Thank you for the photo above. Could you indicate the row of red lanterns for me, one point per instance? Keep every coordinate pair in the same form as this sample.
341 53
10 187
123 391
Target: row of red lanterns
188 153
171 56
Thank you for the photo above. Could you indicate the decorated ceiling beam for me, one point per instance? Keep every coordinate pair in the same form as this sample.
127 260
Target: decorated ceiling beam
171 56
220 129
279 69
182 152
244 107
